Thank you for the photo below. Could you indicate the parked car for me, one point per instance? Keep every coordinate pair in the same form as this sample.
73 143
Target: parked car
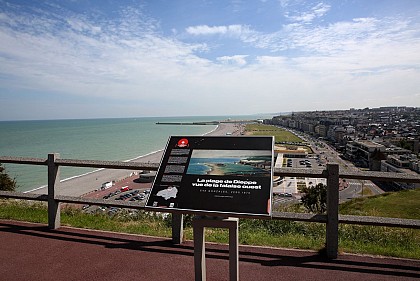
106 185
124 188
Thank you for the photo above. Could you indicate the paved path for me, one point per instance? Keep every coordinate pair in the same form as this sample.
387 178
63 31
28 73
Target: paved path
32 252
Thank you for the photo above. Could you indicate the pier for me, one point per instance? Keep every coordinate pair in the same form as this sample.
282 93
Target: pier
207 122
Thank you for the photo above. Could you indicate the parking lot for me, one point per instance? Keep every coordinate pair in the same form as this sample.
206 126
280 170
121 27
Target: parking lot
286 189
312 163
128 189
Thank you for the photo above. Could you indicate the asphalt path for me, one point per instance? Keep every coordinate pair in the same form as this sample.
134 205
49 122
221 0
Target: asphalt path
33 252
87 183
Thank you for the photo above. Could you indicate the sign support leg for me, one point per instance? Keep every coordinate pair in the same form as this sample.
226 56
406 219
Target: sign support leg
199 223
199 252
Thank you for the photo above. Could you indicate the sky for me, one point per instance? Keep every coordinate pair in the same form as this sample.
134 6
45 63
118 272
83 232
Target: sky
65 59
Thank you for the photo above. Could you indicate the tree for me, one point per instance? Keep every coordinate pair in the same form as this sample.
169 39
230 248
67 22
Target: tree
315 198
404 144
6 182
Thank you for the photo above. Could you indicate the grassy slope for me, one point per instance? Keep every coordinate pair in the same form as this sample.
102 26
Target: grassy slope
383 240
142 223
267 130
403 204
397 242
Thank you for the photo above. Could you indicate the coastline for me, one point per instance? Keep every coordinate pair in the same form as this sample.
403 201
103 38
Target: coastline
91 181
215 170
91 172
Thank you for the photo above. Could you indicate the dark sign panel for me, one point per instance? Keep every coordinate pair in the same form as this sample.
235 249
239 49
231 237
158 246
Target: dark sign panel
220 175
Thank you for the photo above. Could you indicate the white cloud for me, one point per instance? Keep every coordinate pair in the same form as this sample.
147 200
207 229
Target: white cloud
114 63
315 12
239 60
300 67
321 9
232 30
83 26
271 60
206 30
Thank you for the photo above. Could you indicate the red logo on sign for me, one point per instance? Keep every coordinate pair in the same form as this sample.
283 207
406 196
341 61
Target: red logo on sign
183 143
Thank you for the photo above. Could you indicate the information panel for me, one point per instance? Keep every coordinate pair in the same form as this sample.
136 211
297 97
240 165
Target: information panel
223 175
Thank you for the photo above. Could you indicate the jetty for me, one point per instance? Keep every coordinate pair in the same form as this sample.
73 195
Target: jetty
189 123
207 122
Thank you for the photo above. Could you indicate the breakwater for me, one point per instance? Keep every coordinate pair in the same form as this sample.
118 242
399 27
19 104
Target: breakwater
189 123
207 122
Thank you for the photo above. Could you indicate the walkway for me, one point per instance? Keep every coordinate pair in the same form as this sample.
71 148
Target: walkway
32 252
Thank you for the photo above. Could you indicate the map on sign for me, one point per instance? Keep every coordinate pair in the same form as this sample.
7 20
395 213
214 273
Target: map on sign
168 193
221 175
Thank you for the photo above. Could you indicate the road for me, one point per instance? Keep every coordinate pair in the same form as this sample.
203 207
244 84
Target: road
349 189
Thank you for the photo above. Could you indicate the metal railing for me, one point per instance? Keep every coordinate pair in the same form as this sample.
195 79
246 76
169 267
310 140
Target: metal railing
332 219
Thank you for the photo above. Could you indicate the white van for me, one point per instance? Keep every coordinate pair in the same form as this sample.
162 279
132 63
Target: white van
106 185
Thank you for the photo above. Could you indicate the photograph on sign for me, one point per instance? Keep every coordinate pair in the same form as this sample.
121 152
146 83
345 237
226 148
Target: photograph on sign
223 175
230 162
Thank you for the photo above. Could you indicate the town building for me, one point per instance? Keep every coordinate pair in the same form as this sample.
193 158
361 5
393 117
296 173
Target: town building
365 136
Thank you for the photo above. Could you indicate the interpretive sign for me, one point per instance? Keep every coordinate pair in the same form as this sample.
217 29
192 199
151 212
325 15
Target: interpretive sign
222 175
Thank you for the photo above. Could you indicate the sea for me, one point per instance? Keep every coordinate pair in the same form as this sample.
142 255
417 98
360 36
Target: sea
114 139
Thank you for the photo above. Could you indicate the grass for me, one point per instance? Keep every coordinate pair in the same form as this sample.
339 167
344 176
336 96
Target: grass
366 191
267 130
23 211
126 222
140 223
397 242
403 204
385 241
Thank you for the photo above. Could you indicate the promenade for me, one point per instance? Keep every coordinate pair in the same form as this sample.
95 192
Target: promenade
32 252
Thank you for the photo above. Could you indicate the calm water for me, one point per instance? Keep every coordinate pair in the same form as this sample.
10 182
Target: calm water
93 139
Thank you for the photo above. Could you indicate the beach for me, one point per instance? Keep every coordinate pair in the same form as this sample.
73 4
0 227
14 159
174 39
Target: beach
215 170
84 184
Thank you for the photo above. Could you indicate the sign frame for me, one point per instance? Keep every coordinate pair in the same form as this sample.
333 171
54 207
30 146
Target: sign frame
224 176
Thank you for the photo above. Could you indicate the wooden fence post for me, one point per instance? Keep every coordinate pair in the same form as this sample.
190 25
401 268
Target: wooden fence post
54 220
332 210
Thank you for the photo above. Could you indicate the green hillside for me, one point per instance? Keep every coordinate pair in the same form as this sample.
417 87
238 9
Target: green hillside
267 130
403 204
386 241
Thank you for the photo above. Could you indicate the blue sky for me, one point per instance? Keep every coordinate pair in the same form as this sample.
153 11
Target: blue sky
128 58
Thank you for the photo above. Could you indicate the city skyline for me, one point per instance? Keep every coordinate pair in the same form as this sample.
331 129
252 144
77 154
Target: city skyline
79 59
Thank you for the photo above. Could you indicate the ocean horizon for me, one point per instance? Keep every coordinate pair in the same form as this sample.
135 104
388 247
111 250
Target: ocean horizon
113 139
